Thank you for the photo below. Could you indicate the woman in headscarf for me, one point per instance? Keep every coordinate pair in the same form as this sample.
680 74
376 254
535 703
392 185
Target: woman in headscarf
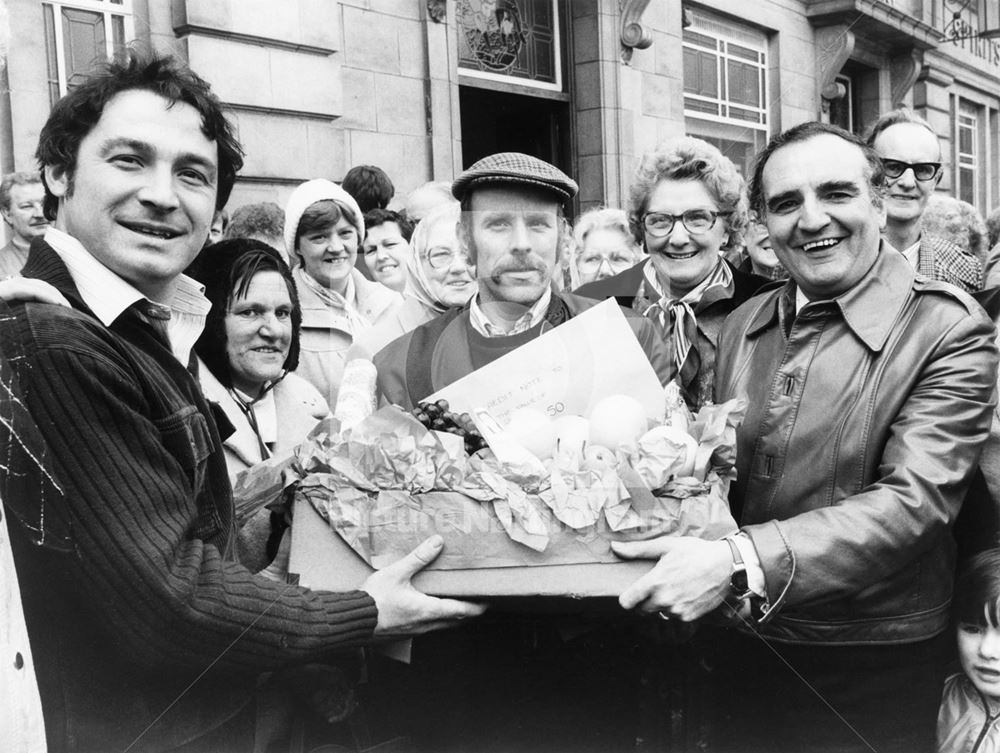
246 353
439 276
323 229
688 206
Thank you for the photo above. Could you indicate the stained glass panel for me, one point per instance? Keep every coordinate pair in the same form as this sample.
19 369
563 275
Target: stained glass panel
518 39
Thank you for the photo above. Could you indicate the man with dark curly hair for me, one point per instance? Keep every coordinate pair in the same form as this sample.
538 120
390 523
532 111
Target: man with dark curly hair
146 631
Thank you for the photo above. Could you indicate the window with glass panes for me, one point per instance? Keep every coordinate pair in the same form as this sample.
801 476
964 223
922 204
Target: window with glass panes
725 86
967 168
80 34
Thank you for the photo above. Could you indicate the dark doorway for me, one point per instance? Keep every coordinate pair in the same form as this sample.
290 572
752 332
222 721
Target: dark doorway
494 121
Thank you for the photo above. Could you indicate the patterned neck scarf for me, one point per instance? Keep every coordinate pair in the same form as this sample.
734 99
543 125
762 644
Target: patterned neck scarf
678 316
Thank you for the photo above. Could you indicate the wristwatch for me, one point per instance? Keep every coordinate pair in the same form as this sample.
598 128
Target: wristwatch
739 585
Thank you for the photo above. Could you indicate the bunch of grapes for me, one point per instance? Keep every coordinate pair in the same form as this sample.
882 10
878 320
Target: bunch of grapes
439 417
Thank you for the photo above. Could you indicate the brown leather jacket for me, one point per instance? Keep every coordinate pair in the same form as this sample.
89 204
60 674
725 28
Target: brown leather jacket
864 426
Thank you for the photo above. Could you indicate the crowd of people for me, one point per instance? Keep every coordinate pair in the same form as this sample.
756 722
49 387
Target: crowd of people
156 344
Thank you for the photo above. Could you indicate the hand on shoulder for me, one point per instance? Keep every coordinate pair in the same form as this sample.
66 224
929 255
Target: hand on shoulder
17 288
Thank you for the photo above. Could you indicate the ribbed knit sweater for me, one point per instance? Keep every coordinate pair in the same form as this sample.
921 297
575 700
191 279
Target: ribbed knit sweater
149 608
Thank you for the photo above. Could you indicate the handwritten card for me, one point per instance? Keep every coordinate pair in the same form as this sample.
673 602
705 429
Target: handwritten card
567 370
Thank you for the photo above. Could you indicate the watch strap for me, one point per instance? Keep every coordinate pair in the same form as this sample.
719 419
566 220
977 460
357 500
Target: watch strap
739 584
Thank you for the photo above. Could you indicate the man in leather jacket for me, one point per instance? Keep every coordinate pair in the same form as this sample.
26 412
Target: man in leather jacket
869 392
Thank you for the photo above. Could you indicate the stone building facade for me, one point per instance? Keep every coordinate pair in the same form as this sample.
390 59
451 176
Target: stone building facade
423 87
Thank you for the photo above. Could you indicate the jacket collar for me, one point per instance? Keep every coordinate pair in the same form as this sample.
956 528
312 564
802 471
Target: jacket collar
44 264
870 308
371 298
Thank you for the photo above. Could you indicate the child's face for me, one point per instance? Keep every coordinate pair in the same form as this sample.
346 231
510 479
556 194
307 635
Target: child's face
979 653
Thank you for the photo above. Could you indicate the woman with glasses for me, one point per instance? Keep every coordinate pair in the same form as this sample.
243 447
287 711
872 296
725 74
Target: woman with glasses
323 230
439 277
688 206
604 246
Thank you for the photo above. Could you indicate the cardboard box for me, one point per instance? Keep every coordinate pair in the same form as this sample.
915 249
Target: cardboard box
322 560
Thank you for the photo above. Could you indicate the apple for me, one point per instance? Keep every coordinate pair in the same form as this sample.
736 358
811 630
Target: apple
571 434
598 458
617 420
534 431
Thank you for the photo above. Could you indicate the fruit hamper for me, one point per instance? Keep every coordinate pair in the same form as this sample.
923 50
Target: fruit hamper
514 523
528 467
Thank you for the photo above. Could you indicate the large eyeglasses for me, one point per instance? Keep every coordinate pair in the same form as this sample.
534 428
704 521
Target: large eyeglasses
659 224
922 171
440 257
616 263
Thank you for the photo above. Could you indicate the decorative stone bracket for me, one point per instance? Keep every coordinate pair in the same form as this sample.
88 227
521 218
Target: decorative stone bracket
437 10
903 73
634 36
834 45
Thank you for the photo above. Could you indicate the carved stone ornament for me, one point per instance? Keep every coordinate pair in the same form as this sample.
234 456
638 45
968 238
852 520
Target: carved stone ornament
833 45
437 10
634 35
903 73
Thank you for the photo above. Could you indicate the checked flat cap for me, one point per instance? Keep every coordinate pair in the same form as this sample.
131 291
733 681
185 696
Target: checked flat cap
516 169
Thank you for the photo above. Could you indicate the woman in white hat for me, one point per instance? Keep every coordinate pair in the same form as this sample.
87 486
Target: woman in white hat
323 229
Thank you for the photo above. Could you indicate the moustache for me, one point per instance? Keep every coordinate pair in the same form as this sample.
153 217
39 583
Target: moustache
519 267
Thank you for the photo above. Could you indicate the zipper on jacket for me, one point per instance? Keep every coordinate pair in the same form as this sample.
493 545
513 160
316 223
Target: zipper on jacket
987 723
789 385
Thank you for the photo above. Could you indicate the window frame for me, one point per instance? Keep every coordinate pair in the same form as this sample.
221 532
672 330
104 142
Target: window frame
968 161
123 9
723 102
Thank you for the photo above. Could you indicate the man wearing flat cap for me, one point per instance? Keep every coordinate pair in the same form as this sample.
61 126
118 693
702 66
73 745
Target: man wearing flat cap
511 228
512 682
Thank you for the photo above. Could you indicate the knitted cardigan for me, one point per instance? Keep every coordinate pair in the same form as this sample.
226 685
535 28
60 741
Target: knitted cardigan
146 606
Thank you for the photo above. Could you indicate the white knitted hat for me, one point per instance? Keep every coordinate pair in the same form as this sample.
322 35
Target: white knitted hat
308 194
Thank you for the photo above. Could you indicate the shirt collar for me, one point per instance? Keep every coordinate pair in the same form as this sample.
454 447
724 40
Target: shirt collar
484 326
108 295
800 300
869 308
104 292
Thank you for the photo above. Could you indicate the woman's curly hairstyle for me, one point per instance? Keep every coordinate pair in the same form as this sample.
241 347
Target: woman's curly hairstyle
688 158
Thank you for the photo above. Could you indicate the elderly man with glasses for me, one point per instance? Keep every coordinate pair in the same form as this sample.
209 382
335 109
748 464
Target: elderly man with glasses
911 158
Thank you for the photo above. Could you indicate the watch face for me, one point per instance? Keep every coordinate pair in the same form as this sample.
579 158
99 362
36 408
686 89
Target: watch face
739 583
